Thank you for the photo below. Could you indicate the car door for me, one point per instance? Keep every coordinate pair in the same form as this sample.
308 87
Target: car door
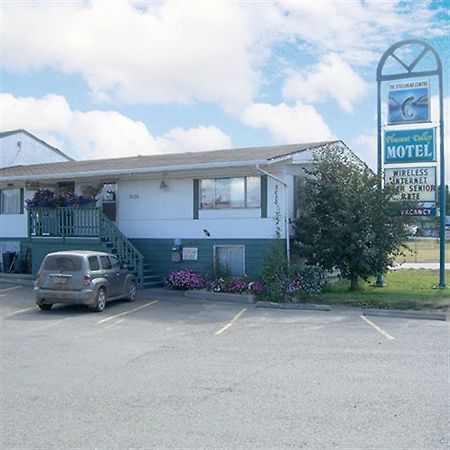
109 275
117 276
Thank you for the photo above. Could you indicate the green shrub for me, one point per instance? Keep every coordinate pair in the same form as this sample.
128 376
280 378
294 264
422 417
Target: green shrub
275 273
311 279
283 283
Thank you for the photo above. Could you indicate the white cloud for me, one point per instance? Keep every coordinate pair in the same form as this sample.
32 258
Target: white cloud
332 77
193 139
299 123
178 52
52 110
358 30
365 146
165 52
99 134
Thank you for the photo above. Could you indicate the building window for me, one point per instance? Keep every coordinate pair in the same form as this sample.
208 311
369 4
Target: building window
226 193
10 201
229 260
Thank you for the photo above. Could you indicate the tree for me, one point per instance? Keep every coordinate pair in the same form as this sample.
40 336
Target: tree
346 221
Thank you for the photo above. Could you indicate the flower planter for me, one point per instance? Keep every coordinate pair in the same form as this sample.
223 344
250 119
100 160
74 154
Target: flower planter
219 296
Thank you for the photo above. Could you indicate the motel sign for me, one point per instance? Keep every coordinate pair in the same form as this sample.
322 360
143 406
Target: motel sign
411 70
409 146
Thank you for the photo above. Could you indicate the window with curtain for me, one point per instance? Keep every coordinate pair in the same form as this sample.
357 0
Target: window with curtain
229 260
227 193
10 201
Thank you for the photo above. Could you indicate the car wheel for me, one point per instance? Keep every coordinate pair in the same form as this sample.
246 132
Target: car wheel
131 297
46 306
100 300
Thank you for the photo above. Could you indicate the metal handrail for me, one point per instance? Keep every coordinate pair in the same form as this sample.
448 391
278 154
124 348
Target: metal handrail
126 251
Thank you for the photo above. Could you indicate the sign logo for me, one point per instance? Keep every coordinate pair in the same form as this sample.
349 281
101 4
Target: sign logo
417 184
409 146
409 102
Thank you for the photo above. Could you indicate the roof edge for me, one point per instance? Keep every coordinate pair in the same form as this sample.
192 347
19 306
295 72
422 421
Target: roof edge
22 130
144 170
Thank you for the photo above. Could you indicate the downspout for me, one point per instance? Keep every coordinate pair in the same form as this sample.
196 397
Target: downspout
286 214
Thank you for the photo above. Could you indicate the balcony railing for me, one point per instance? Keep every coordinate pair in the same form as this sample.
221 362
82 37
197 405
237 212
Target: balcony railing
65 222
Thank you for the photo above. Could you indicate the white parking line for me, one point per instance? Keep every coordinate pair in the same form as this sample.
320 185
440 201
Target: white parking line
21 311
9 289
126 312
233 320
380 330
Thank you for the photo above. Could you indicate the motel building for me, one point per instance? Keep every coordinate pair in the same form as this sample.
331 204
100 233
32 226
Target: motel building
159 213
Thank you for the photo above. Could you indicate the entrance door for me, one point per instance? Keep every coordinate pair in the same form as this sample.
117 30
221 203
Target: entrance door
109 200
66 187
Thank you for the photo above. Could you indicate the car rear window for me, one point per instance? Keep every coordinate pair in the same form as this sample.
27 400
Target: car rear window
63 263
93 263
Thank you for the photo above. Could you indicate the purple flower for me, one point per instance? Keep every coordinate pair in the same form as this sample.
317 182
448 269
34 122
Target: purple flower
45 198
256 287
185 279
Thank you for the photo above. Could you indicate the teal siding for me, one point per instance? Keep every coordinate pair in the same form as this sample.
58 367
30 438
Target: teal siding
157 253
42 247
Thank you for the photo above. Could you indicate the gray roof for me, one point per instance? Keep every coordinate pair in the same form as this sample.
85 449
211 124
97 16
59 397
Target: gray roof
152 163
21 130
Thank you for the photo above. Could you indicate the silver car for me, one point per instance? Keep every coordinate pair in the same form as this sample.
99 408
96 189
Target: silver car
83 277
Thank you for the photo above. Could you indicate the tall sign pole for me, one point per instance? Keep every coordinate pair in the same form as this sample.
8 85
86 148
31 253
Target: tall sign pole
409 106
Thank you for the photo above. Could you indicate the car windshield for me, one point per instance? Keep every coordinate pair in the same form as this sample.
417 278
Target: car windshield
63 263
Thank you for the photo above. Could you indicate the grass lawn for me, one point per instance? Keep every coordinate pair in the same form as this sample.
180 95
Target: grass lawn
405 289
425 251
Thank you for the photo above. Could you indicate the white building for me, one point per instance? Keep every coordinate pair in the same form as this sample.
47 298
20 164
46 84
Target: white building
167 212
20 148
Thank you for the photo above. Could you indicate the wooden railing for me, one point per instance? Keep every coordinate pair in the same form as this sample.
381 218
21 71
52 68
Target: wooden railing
66 222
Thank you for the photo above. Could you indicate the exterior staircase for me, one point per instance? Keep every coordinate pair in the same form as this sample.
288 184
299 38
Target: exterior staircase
150 278
67 222
118 244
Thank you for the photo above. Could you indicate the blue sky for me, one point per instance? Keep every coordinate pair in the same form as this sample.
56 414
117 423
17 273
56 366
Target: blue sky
116 78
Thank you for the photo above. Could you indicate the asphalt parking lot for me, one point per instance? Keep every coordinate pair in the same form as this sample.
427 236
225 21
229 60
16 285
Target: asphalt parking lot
171 372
